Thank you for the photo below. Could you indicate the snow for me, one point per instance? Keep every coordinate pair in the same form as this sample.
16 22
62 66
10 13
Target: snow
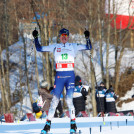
112 125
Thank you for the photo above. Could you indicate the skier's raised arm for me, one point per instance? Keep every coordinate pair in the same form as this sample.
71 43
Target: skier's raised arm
39 47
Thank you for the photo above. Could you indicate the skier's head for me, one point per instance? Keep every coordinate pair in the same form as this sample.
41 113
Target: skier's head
102 84
64 35
78 81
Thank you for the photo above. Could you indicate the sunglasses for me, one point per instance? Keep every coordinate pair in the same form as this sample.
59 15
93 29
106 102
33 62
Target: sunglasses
64 35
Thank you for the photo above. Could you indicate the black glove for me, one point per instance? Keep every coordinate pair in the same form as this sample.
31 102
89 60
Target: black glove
84 92
87 34
35 33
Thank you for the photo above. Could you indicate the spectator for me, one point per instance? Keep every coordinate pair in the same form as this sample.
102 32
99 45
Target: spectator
133 96
43 102
110 100
79 96
100 99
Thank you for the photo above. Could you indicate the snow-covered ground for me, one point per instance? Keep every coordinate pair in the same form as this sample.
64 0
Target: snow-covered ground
91 125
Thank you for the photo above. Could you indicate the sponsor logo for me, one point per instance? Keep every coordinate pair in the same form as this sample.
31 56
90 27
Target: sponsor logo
66 50
71 83
70 87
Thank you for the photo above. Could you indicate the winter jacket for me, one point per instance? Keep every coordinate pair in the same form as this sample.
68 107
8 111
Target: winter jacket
79 99
100 98
46 96
110 101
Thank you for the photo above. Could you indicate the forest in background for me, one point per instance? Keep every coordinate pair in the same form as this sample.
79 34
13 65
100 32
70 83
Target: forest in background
55 14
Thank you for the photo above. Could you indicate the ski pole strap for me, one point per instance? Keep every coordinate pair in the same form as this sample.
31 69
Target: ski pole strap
89 43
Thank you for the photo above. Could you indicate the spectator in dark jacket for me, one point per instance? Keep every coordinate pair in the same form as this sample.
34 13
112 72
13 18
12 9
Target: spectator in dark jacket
100 99
79 96
110 100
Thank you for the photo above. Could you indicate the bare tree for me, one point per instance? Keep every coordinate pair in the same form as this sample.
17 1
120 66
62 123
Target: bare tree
26 70
93 79
100 21
4 101
118 62
36 68
108 44
7 53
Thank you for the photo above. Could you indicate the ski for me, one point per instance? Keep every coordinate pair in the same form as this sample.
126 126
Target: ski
62 133
44 132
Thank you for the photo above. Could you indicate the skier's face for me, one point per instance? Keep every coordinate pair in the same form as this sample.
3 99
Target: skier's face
64 38
102 85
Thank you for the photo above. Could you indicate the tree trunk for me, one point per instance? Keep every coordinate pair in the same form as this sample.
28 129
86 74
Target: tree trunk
7 54
43 68
132 39
36 69
93 91
2 96
117 71
4 85
2 92
26 70
47 54
92 69
100 38
52 56
107 54
21 90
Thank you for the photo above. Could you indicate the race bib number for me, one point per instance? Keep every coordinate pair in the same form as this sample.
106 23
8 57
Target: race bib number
64 56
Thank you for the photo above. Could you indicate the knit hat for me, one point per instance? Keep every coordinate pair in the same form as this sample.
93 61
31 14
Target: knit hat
78 81
43 84
102 83
64 31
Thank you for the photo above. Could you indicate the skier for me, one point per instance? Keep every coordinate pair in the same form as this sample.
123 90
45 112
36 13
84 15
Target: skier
64 54
100 99
110 100
79 96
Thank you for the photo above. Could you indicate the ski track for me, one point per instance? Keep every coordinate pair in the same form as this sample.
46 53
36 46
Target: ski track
113 125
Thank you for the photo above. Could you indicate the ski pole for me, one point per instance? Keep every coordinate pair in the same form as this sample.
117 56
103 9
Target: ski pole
92 67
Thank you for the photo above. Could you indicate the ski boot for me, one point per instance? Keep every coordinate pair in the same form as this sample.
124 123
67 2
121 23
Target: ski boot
46 128
73 127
